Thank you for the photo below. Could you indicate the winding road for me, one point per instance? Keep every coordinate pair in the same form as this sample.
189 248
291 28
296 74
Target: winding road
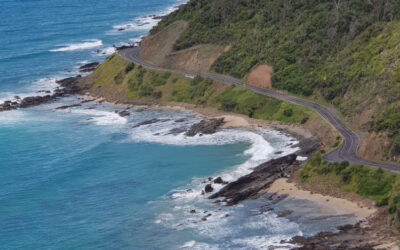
347 151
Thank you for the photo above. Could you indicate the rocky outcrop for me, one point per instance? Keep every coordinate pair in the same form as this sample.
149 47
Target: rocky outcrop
348 237
69 86
249 186
89 67
151 121
205 127
208 188
124 113
69 106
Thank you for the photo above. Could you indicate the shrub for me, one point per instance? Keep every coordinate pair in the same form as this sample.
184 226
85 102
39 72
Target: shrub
145 90
129 68
288 112
119 78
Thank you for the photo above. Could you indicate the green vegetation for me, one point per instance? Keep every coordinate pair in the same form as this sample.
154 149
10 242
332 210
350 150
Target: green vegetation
343 51
381 186
139 82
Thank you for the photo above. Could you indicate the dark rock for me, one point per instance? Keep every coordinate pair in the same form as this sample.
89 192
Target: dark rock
150 122
205 217
35 100
249 186
89 67
176 131
147 122
279 152
208 188
70 86
17 97
284 213
209 178
124 113
205 127
219 180
69 106
180 120
348 237
192 211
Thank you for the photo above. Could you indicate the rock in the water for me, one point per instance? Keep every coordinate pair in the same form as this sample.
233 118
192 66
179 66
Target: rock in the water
192 211
124 113
249 186
147 122
219 180
70 86
176 131
205 127
208 188
69 106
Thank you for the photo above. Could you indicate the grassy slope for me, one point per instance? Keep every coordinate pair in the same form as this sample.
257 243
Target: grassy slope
117 75
381 186
345 55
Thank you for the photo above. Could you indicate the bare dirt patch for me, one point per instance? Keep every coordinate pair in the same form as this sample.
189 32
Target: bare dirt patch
158 50
261 76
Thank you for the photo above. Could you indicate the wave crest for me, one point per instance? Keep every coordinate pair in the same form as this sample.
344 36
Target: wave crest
88 44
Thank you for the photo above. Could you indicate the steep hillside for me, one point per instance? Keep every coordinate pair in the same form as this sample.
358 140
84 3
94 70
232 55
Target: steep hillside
344 52
158 50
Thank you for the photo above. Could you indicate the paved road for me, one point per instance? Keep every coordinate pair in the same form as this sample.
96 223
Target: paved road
347 151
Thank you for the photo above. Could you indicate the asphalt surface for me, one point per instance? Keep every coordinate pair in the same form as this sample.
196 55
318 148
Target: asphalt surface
347 151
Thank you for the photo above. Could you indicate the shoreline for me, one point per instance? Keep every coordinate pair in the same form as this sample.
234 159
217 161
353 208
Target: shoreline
370 216
232 120
279 186
344 206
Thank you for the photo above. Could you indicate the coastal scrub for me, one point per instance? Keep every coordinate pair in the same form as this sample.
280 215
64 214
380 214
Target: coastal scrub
379 185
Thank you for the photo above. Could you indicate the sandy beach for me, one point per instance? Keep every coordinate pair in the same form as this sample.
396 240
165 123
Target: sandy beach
282 186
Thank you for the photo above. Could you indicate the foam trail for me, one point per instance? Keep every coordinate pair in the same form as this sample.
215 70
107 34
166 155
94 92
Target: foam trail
188 244
88 44
101 117
106 51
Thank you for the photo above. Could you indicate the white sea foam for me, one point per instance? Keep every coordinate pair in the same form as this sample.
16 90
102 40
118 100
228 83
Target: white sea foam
100 117
105 52
43 85
144 22
188 244
259 151
301 158
88 44
263 144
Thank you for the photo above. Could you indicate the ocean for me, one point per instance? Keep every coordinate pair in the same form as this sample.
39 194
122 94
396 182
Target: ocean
87 178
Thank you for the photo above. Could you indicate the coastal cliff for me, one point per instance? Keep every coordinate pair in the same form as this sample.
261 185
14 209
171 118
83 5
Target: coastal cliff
340 53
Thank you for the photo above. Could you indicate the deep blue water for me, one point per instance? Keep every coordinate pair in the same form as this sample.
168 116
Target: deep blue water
83 178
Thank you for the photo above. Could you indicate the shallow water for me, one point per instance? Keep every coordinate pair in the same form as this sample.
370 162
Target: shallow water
84 178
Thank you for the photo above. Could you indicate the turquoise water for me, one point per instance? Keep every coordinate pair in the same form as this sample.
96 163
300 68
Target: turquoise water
85 178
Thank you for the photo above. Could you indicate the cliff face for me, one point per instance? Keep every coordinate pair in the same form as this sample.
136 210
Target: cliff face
342 52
